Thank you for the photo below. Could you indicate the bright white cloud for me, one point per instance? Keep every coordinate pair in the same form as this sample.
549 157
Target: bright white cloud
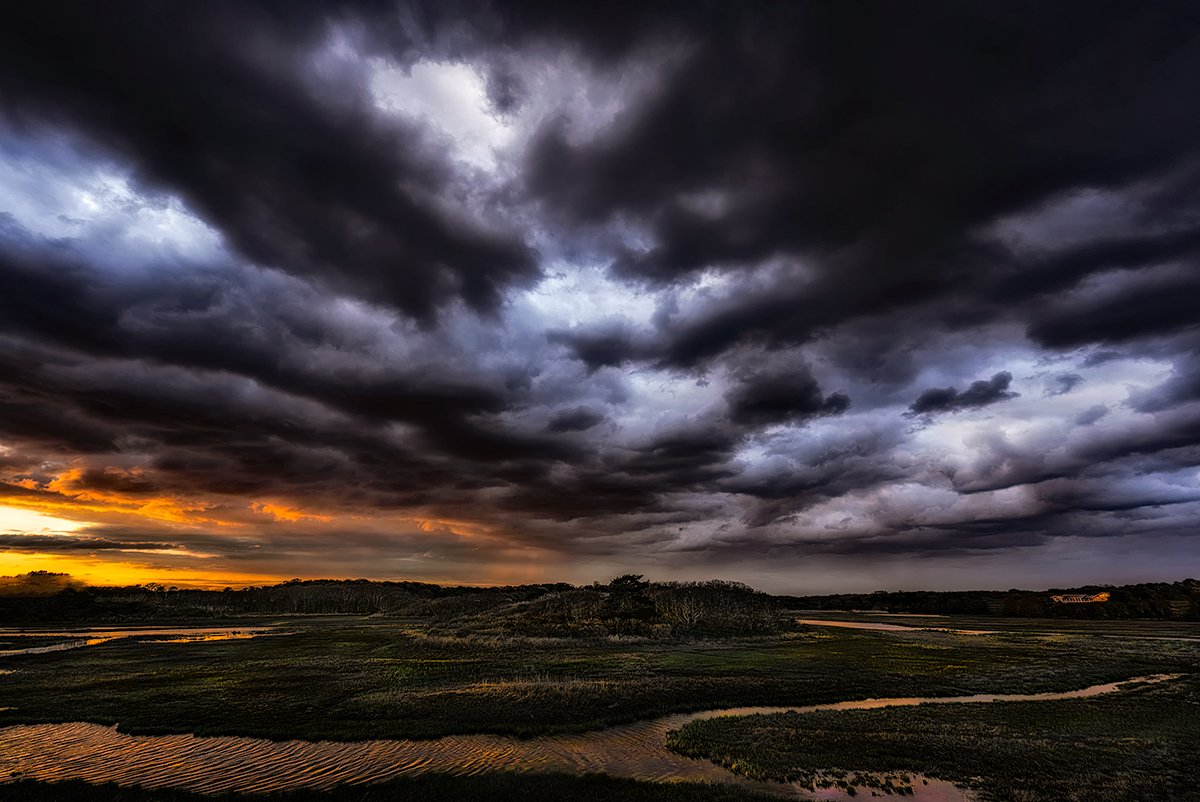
451 97
14 520
52 189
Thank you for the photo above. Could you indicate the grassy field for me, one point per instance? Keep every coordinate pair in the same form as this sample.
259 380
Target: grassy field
356 679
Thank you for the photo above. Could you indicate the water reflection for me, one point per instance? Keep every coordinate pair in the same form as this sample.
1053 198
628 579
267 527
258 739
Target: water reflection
821 622
231 764
54 647
91 637
925 789
241 635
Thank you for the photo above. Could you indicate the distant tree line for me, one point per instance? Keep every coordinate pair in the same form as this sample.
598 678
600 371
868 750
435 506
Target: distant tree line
628 605
154 601
1178 600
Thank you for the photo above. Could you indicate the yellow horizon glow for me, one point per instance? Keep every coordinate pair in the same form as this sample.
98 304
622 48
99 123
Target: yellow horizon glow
170 519
23 520
120 573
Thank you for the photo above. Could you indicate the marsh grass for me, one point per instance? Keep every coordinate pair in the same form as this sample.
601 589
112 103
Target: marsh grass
494 787
1139 744
352 679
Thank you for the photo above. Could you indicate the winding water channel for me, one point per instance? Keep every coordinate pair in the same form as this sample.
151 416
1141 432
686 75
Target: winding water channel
217 764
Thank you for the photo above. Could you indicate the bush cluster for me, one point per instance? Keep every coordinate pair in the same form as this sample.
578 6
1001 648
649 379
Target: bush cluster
628 606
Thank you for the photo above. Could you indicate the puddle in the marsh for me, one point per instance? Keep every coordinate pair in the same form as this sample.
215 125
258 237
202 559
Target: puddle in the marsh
218 764
91 637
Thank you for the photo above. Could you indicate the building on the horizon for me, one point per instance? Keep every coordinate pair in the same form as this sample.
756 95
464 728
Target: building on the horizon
1080 598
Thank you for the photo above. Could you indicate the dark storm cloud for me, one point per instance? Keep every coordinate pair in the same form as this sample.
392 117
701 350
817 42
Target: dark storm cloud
979 394
827 201
68 543
1146 306
825 468
1182 387
877 140
1172 438
579 419
776 397
218 321
209 102
599 349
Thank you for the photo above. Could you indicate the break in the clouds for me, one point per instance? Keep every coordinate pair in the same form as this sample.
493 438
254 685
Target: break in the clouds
803 294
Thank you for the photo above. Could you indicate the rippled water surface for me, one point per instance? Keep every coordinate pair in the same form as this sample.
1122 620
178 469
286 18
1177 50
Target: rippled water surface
213 764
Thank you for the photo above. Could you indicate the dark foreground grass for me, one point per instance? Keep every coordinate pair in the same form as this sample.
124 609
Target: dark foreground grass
1140 744
497 787
372 680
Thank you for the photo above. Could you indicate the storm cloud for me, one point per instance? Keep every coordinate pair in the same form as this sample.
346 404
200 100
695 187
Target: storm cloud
979 394
478 290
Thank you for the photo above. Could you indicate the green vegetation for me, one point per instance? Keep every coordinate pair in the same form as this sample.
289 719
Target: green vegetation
630 606
497 787
1143 743
542 659
349 679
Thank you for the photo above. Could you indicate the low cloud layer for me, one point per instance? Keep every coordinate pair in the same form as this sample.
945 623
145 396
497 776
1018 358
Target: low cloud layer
437 290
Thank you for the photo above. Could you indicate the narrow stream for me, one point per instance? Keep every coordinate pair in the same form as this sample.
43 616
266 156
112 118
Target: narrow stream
218 764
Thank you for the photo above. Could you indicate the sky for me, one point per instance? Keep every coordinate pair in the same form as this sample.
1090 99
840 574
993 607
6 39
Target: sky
815 296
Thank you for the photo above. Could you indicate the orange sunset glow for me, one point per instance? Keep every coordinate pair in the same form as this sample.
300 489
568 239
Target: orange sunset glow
216 541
